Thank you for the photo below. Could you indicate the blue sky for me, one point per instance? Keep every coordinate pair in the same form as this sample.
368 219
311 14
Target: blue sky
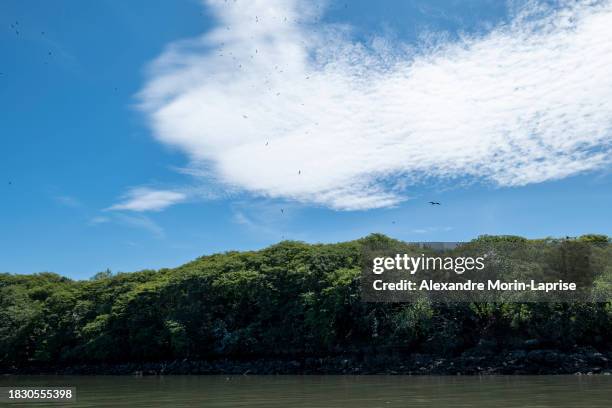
144 134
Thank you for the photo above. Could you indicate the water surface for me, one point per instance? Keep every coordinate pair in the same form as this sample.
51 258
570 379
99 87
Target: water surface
327 391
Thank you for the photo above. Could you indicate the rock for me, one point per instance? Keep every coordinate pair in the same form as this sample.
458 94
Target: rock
532 343
543 357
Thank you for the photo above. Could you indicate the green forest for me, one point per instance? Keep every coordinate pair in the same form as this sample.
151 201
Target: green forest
290 300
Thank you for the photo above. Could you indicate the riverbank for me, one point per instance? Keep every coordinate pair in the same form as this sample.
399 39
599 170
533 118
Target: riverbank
293 308
516 362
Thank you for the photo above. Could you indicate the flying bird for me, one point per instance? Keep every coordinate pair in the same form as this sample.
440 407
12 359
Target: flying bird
434 203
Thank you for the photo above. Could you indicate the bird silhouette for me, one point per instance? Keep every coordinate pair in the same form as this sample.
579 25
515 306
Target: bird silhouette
434 203
282 211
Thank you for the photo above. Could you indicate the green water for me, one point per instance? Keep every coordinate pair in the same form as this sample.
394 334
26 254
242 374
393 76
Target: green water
327 391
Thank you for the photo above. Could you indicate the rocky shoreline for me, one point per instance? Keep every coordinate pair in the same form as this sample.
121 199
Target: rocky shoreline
516 362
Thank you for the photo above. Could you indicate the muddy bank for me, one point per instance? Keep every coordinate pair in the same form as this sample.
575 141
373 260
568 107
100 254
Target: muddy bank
471 362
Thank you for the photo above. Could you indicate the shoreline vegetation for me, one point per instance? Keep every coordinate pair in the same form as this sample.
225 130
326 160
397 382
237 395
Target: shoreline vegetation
292 308
476 361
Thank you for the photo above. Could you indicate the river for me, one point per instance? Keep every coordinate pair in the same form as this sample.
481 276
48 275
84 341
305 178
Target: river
326 391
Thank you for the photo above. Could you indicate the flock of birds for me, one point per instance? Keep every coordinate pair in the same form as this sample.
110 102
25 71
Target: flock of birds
15 27
276 68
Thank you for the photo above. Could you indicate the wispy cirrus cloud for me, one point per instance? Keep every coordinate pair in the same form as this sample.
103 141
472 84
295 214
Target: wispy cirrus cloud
141 199
274 107
142 222
428 230
98 219
138 221
68 201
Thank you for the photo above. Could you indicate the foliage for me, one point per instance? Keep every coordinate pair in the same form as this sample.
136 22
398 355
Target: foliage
289 299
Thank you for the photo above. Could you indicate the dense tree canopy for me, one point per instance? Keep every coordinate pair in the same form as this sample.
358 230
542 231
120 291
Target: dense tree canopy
289 299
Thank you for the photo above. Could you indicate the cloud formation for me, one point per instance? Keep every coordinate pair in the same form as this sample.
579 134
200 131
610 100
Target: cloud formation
68 201
135 221
276 105
142 199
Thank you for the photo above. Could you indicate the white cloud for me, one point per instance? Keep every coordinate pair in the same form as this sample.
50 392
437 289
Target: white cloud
68 201
135 221
99 220
264 218
427 230
141 222
267 94
146 199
